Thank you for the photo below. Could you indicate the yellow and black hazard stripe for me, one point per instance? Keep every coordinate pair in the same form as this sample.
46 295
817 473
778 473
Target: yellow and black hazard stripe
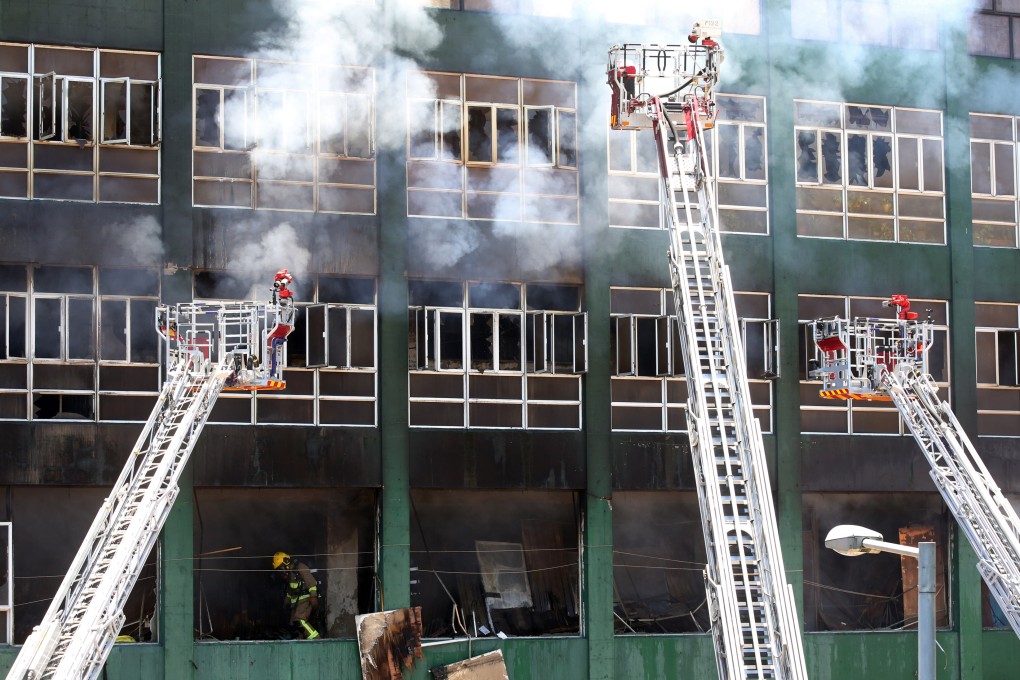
835 394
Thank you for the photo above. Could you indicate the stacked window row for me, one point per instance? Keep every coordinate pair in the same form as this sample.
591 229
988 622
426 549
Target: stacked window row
79 124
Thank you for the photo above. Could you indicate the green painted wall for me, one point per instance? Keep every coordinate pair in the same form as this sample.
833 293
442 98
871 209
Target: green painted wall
773 65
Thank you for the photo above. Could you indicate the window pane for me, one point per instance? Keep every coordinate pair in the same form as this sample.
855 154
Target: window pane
143 104
207 118
619 150
832 151
16 328
480 134
568 139
1005 165
507 142
359 126
235 119
932 149
980 167
857 160
729 151
881 158
144 341
112 338
47 328
452 123
807 156
79 111
13 107
754 152
423 130
908 170
80 329
540 136
510 342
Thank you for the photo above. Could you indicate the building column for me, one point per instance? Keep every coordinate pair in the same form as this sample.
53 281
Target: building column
177 602
597 555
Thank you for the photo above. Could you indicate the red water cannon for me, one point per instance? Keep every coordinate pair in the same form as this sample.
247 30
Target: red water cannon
280 283
902 305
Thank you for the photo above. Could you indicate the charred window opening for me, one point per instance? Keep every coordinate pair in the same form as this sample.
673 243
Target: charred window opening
13 106
495 354
848 184
506 560
345 125
45 545
238 595
503 172
649 389
993 180
878 592
658 561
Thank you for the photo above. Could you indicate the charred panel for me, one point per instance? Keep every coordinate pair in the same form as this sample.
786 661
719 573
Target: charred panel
458 459
61 452
286 456
873 463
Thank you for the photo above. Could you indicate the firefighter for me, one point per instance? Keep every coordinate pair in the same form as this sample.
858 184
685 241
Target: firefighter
302 593
284 297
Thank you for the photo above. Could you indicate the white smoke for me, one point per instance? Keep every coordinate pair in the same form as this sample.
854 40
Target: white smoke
255 261
142 238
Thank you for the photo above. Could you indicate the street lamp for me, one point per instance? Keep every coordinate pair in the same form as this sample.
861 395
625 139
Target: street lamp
851 540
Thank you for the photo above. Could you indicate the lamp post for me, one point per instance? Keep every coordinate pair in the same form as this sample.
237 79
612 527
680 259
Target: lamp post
851 540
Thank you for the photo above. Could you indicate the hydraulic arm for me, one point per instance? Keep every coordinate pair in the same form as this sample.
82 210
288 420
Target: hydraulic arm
669 90
209 348
868 359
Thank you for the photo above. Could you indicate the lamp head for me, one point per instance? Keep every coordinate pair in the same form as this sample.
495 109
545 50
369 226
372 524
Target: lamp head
848 539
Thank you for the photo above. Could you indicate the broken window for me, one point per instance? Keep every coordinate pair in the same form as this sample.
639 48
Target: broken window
13 106
238 595
49 544
466 155
504 561
879 591
849 185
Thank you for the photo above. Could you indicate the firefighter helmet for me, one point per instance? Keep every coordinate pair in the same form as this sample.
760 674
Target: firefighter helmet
281 559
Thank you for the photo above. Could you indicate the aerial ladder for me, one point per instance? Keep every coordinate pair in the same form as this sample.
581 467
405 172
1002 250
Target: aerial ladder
670 90
886 360
210 347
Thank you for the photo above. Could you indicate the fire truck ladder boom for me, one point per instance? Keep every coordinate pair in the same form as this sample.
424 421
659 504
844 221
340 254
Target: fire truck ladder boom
872 359
982 511
210 347
753 613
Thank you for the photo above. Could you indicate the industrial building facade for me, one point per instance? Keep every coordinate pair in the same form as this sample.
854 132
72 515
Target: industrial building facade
485 412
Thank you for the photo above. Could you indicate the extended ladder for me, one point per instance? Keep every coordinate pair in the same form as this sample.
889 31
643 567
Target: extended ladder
887 360
752 608
210 347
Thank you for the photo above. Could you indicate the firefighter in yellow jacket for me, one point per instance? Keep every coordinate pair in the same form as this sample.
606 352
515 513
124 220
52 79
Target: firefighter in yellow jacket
302 594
